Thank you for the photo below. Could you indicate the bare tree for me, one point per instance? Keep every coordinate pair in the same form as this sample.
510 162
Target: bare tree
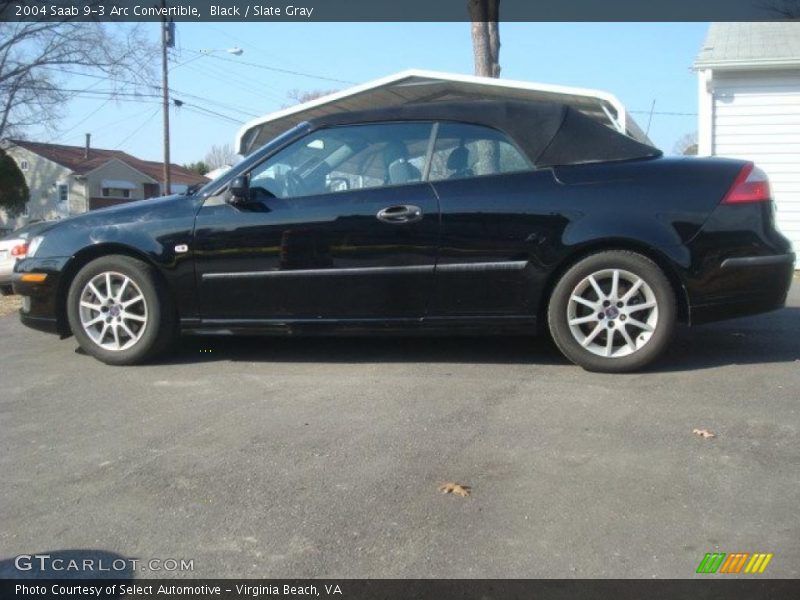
485 15
35 57
220 156
687 144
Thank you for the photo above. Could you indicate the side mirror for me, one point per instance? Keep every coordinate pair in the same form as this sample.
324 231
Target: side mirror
239 189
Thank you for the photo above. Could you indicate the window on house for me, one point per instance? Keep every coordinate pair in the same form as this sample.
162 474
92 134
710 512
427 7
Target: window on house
26 212
110 192
63 192
23 165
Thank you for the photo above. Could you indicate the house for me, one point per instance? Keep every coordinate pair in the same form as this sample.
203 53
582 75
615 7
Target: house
68 180
749 94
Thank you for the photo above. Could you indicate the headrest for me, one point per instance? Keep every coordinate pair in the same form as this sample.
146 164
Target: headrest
458 159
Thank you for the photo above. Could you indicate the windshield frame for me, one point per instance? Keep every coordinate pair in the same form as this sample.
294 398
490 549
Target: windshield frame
215 186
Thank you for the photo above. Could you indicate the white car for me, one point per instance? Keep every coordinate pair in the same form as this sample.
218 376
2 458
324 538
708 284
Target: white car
13 247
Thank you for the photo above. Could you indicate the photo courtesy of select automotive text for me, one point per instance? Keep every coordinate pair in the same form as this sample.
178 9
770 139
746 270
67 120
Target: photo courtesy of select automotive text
400 300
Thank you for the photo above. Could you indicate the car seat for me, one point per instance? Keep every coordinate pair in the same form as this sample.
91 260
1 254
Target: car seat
458 163
398 169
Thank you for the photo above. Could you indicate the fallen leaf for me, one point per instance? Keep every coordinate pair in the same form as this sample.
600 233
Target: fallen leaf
455 488
704 433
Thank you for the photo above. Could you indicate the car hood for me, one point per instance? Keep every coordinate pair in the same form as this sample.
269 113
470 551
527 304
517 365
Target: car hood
134 223
138 210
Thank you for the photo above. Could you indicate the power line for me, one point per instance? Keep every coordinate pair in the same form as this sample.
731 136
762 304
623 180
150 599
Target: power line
211 112
157 88
278 70
81 122
140 127
656 112
97 130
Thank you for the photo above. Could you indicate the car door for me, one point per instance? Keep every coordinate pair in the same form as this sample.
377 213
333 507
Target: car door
337 225
498 224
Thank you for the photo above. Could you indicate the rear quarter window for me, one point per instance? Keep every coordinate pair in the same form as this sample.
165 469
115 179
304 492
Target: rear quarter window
463 150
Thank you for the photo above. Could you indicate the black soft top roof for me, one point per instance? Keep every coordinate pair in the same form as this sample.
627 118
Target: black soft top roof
550 134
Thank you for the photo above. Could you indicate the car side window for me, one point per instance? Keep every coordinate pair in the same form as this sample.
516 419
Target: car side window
463 150
344 158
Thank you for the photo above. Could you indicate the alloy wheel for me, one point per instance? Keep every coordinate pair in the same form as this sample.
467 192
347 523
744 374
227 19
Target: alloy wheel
113 311
612 313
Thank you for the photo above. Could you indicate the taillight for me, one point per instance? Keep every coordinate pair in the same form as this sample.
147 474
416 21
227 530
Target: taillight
20 250
751 185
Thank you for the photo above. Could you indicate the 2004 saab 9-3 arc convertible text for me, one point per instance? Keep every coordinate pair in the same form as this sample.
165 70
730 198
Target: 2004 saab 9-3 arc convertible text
476 216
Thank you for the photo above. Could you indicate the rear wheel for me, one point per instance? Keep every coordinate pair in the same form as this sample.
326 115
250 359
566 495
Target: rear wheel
612 312
118 311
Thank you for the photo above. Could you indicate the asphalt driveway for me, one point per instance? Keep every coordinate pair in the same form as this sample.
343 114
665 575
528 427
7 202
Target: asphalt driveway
321 457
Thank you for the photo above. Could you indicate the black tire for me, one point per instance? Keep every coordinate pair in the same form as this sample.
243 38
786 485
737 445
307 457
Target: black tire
160 324
6 290
599 265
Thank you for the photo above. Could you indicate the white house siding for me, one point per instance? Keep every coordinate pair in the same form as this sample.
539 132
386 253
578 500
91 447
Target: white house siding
756 116
117 170
43 178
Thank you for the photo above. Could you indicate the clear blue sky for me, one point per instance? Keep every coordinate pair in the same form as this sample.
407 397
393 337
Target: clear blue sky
638 62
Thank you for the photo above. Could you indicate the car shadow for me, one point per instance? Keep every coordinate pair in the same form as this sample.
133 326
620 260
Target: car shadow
769 338
367 349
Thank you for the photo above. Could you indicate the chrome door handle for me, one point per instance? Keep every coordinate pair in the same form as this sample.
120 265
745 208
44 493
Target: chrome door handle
400 214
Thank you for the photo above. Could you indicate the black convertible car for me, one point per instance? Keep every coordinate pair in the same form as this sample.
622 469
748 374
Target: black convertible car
474 217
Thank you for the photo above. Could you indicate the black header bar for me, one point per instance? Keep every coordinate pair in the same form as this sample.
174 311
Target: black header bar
711 588
390 10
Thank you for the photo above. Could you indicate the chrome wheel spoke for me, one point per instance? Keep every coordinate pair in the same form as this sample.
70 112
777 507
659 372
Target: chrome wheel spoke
640 325
614 285
585 302
610 342
582 320
133 316
127 330
127 303
595 332
96 292
121 290
637 307
97 319
632 292
598 290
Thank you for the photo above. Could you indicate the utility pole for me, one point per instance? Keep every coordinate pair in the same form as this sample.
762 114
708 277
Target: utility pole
167 40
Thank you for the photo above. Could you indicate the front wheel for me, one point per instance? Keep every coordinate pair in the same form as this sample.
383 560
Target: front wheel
612 312
119 312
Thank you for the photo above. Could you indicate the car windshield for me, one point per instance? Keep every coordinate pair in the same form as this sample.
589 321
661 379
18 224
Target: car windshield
250 160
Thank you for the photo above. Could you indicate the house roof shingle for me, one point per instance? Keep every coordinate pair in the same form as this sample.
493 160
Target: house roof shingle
742 45
74 158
